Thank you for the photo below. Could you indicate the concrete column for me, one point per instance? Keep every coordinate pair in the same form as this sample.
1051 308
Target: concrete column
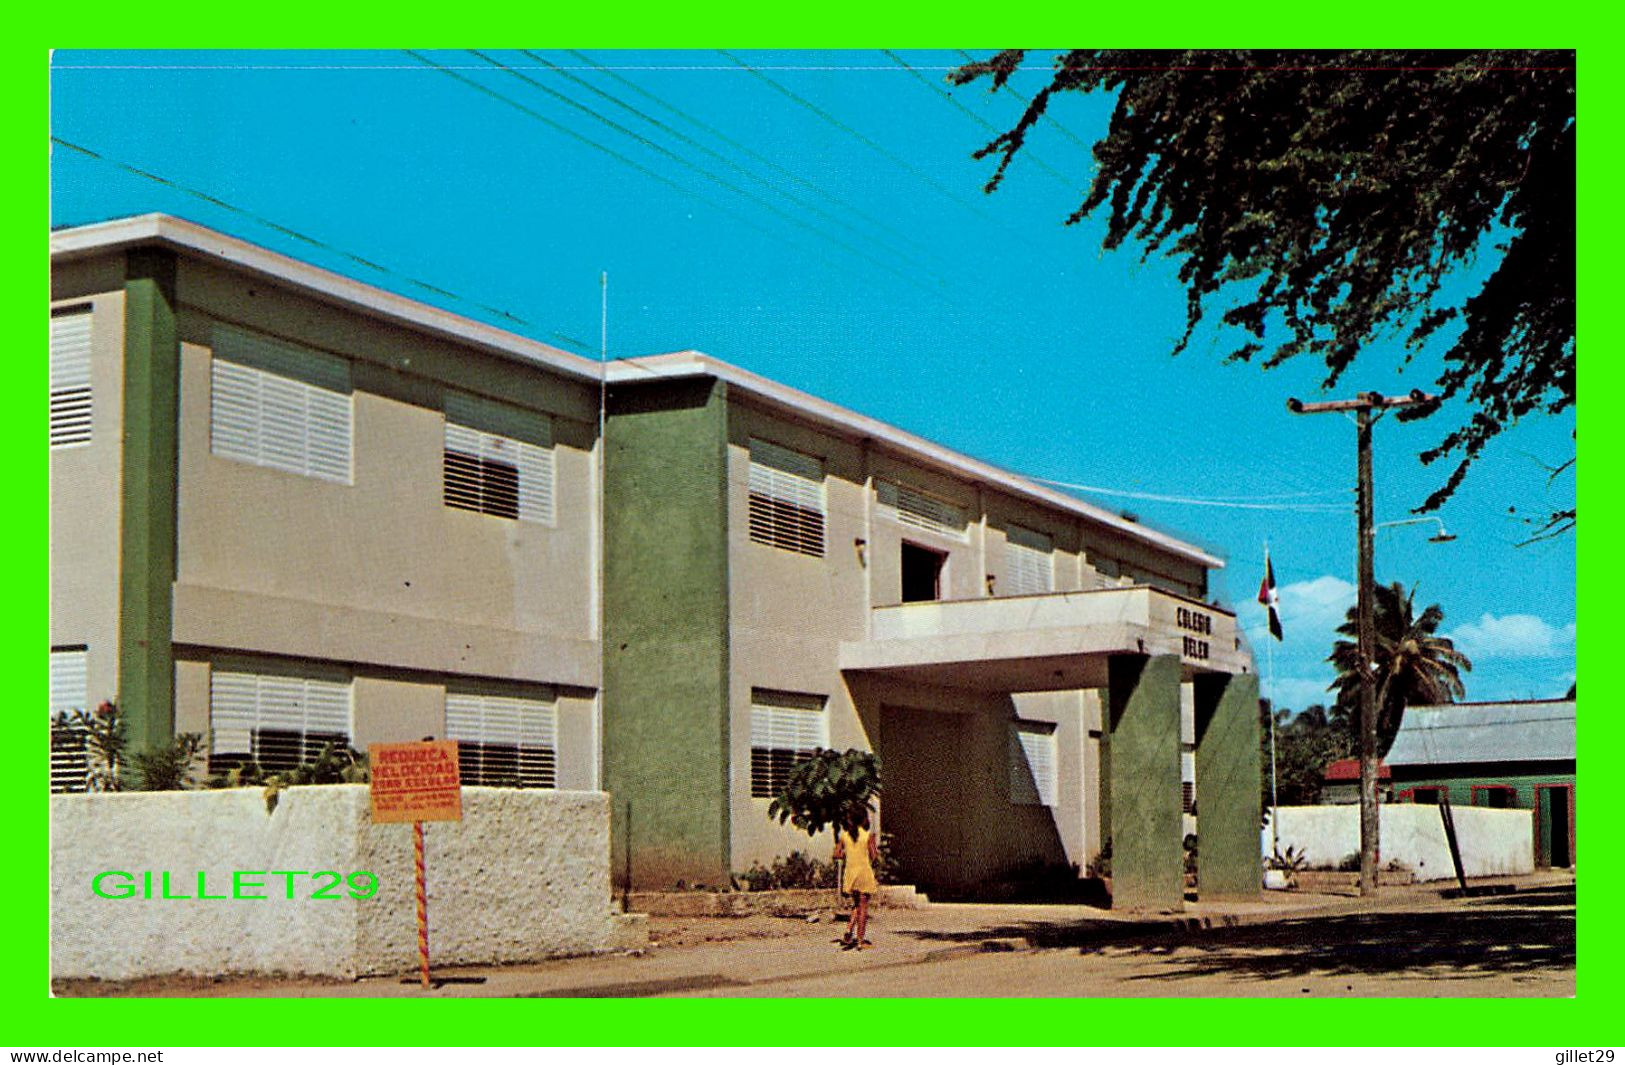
147 534
1227 786
666 642
1143 723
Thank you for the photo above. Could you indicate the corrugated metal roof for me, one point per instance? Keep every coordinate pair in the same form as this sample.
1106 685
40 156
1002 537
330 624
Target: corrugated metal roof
1485 732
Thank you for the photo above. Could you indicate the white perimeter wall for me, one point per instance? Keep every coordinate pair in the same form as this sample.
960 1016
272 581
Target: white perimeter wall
1492 842
524 875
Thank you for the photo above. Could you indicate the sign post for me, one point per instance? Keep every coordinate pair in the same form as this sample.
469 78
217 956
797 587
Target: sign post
416 782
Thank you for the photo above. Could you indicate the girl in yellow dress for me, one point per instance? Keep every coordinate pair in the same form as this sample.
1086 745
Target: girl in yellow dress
856 843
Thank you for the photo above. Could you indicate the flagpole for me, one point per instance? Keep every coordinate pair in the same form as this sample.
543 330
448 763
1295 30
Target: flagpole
1275 799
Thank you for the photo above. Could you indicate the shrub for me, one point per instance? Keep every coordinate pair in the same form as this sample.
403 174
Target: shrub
799 870
167 768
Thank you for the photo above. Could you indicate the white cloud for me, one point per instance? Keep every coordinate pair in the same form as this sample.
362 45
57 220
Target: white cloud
1313 602
1311 608
1513 636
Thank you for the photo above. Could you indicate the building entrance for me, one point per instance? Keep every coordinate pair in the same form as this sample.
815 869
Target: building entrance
922 805
1553 819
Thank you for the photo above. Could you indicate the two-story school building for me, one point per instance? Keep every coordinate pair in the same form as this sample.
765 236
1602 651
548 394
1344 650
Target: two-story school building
289 508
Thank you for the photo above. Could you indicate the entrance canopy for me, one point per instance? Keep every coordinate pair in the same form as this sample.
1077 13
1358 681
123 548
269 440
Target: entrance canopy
1053 642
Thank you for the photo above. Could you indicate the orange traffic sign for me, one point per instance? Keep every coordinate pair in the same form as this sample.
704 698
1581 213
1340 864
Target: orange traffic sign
415 781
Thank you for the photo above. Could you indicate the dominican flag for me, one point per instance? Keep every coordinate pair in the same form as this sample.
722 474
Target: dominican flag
1268 597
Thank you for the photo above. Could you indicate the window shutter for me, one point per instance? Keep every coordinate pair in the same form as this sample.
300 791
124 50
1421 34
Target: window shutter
70 379
70 759
278 405
504 739
1029 562
922 511
1033 765
786 499
278 720
785 727
498 460
68 680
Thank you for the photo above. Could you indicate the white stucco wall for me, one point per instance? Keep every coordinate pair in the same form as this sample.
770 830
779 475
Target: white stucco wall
1492 842
524 875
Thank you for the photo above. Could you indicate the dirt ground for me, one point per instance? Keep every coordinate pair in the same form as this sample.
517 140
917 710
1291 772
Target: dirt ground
1412 942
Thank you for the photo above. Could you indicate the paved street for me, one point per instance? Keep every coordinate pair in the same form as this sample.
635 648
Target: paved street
1410 941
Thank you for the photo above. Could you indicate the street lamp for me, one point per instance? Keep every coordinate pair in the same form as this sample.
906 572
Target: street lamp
1440 537
1368 407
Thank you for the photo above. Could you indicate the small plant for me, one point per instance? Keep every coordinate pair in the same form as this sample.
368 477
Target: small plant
102 737
1190 853
1291 860
1350 863
886 864
1100 866
799 870
167 768
332 765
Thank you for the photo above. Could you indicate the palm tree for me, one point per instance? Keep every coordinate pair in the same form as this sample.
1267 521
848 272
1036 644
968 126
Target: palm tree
1414 665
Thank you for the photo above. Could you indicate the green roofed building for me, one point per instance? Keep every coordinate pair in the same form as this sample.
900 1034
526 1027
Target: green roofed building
290 508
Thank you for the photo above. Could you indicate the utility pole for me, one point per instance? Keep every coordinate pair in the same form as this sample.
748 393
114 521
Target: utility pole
1368 407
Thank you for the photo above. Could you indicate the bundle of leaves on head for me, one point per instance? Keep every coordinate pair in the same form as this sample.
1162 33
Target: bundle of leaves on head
827 788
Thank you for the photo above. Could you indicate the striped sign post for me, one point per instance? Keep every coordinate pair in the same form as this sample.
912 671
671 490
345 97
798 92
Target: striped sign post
417 782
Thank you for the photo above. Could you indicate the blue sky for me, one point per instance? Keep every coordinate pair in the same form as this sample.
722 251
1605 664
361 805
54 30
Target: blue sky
817 217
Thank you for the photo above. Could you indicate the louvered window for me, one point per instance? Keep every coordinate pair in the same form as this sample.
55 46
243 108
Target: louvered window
503 741
1187 780
785 727
1032 764
70 760
277 720
498 460
279 405
70 379
910 506
1029 562
786 499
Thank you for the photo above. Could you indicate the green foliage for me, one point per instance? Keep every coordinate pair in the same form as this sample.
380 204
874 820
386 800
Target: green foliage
1304 746
799 870
826 788
885 865
168 768
1292 860
332 765
1101 864
1326 198
105 743
1190 842
1414 665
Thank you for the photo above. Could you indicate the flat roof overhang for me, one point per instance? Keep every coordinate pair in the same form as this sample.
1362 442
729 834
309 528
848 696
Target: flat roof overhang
1056 642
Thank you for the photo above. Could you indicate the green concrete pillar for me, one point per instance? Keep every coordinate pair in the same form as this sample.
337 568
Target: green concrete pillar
147 533
1227 786
665 639
1148 867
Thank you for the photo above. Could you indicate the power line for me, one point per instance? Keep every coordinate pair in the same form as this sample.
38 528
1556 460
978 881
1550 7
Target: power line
720 157
867 218
702 171
314 242
885 153
1249 504
612 153
973 116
